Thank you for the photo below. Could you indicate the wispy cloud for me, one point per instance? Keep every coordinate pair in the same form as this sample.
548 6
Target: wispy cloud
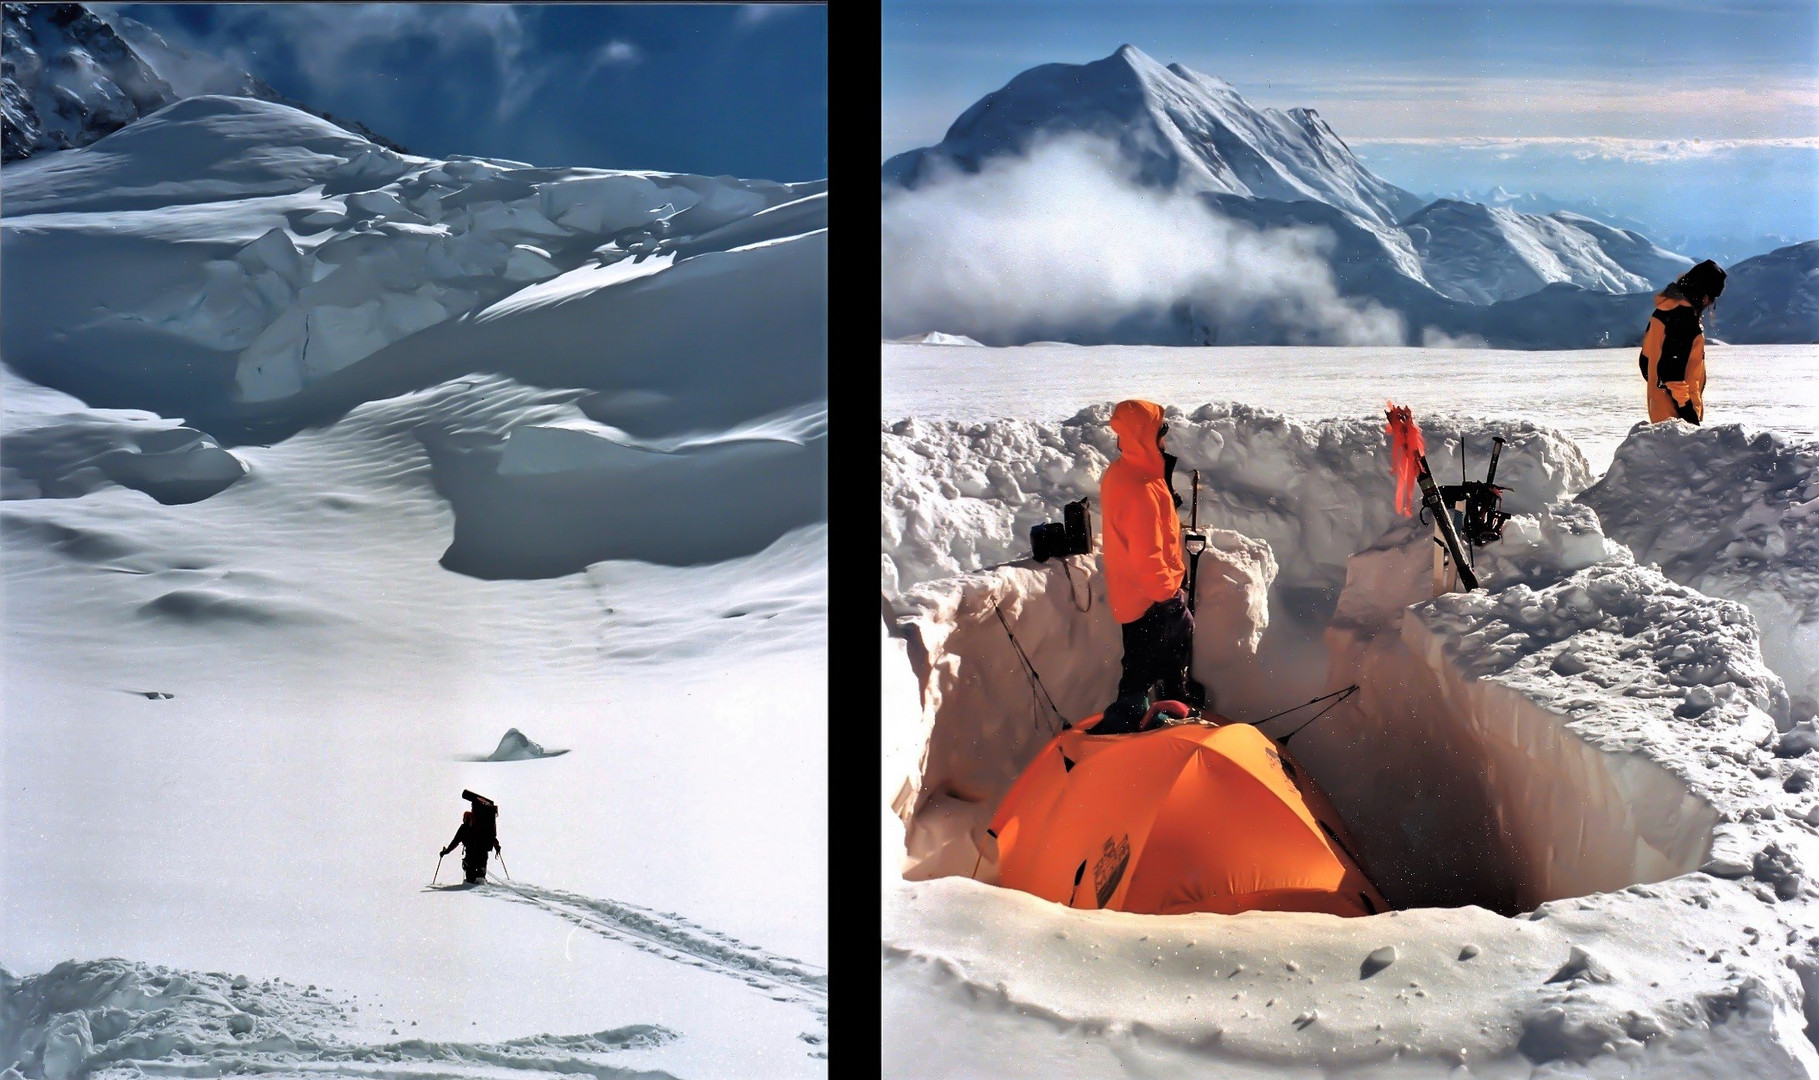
1382 106
1585 148
329 42
757 14
614 53
1062 243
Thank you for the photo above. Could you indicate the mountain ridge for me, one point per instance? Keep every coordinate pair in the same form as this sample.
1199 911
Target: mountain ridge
1447 267
72 76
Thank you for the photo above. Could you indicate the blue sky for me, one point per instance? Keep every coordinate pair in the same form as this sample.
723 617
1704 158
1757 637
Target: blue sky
1654 105
737 89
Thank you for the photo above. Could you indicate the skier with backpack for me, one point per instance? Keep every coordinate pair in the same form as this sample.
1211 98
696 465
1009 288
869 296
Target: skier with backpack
478 836
1673 347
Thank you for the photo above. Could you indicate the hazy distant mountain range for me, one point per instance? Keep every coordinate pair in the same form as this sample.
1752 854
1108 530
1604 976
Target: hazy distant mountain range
1511 270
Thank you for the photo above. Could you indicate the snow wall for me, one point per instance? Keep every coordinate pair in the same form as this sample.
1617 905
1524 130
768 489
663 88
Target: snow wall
1732 512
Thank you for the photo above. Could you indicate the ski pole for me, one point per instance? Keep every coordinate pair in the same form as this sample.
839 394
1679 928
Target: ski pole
438 872
502 866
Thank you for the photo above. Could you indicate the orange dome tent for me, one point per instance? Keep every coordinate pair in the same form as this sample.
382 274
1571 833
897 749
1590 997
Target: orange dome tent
1190 817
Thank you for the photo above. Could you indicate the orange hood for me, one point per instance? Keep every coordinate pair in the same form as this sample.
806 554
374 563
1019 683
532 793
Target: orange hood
1136 424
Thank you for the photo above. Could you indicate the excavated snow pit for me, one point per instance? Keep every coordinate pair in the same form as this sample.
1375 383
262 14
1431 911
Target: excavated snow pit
1461 792
1583 771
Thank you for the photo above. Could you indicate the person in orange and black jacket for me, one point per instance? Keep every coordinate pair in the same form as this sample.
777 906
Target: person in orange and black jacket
1144 568
1673 348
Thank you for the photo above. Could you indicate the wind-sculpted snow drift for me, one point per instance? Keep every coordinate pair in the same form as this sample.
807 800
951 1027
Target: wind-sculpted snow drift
1582 786
103 1017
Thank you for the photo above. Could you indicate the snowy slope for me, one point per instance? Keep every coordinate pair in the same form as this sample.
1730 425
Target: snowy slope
326 468
1484 254
1771 298
192 74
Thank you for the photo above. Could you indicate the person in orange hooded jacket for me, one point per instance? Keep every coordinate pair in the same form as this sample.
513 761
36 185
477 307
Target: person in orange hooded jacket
1673 347
1144 568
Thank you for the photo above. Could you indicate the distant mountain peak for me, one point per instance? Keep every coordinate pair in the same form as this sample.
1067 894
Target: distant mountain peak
72 76
1178 129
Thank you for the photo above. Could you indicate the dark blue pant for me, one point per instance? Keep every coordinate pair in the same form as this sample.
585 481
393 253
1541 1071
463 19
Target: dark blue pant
1157 649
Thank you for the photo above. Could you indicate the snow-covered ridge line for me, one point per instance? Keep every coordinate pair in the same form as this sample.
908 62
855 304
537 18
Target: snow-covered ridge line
82 1017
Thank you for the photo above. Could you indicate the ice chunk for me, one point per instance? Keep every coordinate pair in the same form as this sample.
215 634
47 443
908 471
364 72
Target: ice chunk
516 746
275 252
527 263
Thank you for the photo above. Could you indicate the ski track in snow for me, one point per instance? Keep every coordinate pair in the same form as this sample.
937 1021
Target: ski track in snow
675 938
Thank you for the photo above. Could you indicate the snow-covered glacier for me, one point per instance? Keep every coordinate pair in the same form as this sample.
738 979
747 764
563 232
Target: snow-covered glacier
323 465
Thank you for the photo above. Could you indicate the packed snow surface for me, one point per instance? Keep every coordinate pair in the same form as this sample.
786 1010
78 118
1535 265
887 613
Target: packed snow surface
306 498
1586 785
1591 397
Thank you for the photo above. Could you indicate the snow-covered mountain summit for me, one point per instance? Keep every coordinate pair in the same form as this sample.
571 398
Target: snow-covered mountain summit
1182 129
72 76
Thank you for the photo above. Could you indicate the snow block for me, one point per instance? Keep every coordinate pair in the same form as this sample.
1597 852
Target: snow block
1732 512
960 496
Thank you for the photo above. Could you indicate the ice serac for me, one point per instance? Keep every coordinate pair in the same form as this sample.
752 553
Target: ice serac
515 745
1772 298
1732 512
263 268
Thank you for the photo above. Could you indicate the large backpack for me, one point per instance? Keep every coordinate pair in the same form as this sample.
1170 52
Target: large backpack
485 826
1682 327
